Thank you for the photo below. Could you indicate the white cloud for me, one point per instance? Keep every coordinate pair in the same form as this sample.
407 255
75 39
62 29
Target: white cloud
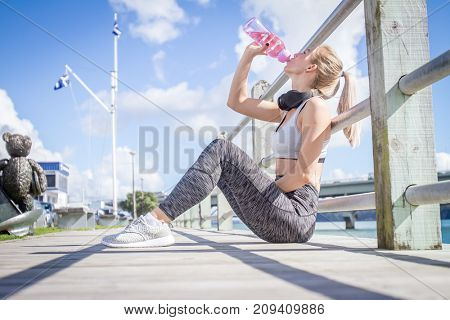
160 55
338 174
159 31
95 121
157 21
442 161
10 122
221 58
176 98
157 60
180 100
67 152
196 20
97 183
203 2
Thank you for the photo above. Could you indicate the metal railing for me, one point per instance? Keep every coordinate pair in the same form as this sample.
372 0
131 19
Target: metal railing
428 193
426 75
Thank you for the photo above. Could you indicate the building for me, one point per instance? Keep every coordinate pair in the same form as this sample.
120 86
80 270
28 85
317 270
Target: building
57 174
105 205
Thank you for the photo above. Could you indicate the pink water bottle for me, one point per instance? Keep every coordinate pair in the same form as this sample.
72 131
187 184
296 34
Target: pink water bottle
258 32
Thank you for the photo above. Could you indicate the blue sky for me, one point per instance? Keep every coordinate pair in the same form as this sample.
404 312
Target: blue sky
196 63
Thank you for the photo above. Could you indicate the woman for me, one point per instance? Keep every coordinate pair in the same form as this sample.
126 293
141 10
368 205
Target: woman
281 210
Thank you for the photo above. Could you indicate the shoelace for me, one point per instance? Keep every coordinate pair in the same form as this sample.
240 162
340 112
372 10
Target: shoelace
132 224
137 222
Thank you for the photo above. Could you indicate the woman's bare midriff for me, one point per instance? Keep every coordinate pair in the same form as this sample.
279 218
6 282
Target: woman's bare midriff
285 166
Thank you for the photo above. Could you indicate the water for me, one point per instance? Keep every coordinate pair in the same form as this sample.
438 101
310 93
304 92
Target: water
363 229
258 32
276 47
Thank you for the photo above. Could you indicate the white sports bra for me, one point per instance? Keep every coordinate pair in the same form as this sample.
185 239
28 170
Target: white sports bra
286 141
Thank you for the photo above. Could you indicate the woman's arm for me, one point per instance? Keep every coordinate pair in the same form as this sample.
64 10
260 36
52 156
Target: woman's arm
316 126
238 99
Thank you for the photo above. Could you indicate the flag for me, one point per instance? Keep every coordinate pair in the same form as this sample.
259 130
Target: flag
63 82
116 30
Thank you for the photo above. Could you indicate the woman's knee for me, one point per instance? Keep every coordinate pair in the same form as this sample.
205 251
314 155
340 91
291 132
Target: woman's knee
224 147
217 143
223 141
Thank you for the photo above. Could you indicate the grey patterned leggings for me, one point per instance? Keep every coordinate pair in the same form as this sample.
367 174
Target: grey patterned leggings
273 215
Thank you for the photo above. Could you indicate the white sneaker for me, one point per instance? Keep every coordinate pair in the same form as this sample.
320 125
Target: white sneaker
139 234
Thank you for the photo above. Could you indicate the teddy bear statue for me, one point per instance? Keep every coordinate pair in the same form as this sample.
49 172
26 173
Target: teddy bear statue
22 178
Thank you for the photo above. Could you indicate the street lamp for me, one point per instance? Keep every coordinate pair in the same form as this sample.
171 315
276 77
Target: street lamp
132 153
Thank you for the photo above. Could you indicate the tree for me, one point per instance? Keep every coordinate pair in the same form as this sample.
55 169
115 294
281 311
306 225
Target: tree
145 202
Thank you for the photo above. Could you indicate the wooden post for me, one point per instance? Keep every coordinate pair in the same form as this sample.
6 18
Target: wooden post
225 218
195 216
189 215
205 213
350 219
402 126
179 221
185 219
262 130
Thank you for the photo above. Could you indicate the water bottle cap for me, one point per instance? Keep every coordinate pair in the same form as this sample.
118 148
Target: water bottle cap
246 25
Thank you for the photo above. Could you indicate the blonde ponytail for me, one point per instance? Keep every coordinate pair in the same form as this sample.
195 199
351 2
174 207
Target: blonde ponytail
326 84
347 100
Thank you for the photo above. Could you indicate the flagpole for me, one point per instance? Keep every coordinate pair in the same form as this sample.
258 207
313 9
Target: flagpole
84 85
114 84
64 82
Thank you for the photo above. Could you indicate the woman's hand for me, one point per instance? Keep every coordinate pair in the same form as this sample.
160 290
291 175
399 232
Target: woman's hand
254 49
238 89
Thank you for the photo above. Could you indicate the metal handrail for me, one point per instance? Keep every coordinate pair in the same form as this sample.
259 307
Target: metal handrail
339 15
428 193
363 201
426 75
433 193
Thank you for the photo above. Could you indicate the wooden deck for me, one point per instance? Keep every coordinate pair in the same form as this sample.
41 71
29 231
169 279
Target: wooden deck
218 265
